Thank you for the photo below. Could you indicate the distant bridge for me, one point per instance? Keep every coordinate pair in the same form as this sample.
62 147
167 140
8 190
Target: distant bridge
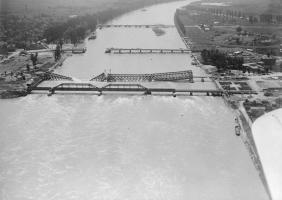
167 76
86 87
71 50
134 26
146 51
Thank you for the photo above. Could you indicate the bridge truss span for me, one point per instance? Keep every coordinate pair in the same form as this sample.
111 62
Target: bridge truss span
167 76
129 88
54 77
147 51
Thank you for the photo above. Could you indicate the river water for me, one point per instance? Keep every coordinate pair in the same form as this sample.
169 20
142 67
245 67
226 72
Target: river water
82 147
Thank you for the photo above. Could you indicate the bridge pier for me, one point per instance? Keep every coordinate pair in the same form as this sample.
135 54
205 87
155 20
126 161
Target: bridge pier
147 92
51 92
191 93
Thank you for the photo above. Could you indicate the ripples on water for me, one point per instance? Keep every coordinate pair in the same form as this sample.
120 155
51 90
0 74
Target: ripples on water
110 147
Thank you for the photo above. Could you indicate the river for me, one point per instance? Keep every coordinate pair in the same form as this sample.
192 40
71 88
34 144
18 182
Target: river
82 147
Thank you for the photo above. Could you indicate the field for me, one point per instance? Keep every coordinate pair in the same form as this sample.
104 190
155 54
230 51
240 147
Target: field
216 25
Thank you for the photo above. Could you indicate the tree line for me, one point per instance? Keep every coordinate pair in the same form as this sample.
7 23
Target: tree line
222 60
75 29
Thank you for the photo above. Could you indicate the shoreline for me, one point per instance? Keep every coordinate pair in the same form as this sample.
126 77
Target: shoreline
18 88
247 138
243 121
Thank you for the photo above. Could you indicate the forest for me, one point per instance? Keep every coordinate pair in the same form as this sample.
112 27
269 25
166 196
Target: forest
26 22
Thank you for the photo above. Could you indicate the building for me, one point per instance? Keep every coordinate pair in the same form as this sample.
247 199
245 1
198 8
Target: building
253 67
269 61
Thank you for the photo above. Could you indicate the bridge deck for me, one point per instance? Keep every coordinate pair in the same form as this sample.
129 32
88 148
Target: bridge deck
146 51
134 26
85 87
72 50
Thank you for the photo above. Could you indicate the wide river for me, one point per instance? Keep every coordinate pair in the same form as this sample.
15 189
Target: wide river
110 147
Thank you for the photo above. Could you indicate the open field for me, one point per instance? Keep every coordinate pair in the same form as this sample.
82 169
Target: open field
208 24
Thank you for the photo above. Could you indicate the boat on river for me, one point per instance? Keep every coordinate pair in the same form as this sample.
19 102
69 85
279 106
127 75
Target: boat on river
237 127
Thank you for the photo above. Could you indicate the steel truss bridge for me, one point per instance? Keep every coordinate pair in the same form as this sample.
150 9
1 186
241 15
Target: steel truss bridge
54 77
168 76
112 87
146 51
127 88
47 76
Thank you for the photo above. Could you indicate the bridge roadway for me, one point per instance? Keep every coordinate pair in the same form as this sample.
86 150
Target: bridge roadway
146 51
134 26
71 50
86 87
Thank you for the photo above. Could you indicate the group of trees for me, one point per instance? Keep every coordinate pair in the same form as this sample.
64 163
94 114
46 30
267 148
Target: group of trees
22 29
75 29
227 12
259 18
221 60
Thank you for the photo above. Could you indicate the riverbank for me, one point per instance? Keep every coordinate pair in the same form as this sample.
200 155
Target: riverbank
18 71
235 104
248 139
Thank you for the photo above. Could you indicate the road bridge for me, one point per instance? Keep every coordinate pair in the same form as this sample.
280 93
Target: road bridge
146 51
100 26
167 76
